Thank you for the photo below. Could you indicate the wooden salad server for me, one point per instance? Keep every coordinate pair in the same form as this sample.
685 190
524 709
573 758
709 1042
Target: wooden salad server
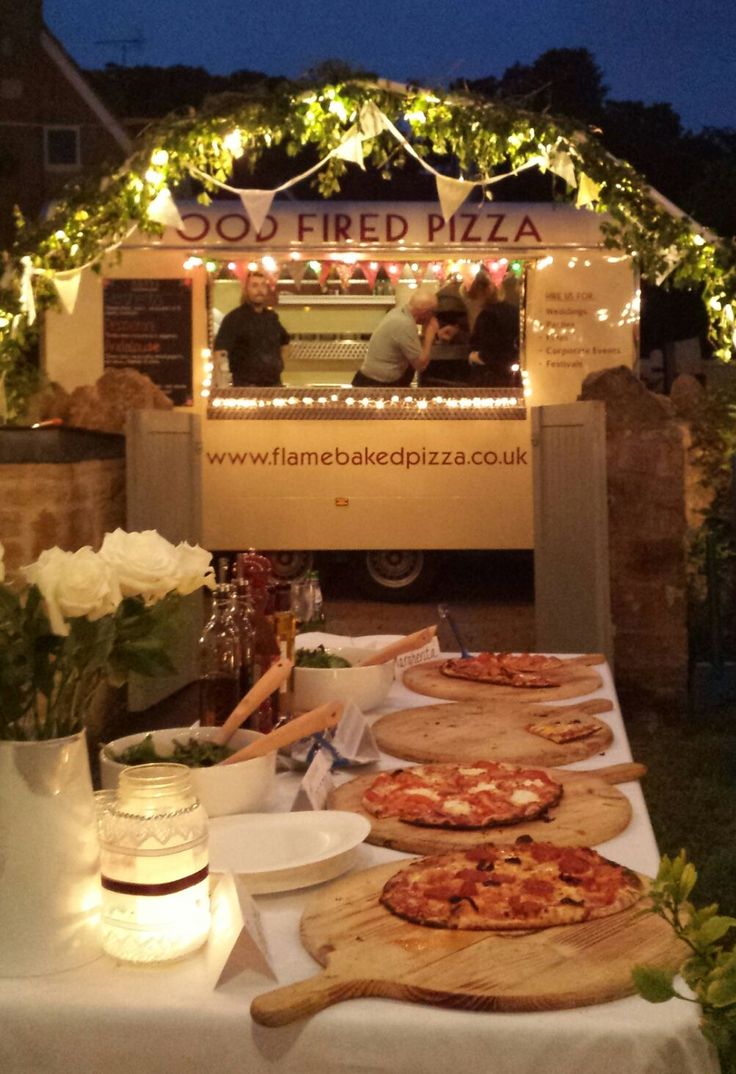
309 723
272 680
396 648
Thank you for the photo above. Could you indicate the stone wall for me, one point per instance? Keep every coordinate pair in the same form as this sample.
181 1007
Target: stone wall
65 504
647 477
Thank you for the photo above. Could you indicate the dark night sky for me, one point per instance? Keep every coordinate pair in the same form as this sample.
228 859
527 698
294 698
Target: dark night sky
649 50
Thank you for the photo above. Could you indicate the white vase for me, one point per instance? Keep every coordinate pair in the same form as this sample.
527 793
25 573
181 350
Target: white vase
49 857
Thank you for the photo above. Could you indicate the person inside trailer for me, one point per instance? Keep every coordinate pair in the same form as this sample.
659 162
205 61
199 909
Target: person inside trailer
252 339
448 358
494 357
395 350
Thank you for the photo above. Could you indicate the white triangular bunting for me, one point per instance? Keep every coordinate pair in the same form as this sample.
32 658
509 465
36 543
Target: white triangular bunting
588 192
67 288
561 164
372 120
164 211
257 203
452 193
27 300
351 148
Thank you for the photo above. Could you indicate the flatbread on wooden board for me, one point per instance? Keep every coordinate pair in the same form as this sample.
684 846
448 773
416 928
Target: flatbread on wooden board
368 951
496 731
575 679
590 812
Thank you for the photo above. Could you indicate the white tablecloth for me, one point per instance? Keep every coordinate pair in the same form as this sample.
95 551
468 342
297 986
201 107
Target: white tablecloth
109 1018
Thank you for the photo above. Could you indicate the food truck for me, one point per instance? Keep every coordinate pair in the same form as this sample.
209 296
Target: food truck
317 464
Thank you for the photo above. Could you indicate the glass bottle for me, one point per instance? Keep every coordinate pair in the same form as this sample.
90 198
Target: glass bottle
243 616
219 661
256 570
154 863
315 603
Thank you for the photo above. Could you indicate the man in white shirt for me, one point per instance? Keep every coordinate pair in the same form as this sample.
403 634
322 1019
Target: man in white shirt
395 350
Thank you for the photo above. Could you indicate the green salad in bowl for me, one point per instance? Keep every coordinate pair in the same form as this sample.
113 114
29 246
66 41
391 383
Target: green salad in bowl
319 658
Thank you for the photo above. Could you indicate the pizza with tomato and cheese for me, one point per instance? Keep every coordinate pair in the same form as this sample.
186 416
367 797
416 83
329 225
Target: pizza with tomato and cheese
505 669
477 795
524 886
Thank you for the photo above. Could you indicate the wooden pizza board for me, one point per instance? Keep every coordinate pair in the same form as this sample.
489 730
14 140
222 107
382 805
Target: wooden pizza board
575 679
590 812
470 730
368 951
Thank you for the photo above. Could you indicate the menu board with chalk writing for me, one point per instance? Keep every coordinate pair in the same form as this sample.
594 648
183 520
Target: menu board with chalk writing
148 327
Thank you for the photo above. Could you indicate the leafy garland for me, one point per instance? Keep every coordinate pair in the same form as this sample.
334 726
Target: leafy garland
484 138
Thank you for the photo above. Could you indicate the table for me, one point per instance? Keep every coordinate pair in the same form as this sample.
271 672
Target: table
108 1018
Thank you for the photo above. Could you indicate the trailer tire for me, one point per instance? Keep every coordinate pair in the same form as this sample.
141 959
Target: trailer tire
396 575
290 566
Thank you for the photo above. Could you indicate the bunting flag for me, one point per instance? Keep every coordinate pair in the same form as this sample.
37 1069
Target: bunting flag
561 164
324 272
372 120
67 288
296 270
351 148
164 211
370 270
344 274
452 193
256 204
588 192
27 300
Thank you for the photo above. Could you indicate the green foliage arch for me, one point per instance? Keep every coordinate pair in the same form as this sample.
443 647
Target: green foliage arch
480 138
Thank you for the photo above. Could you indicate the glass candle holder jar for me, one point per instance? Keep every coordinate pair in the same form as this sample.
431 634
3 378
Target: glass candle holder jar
154 863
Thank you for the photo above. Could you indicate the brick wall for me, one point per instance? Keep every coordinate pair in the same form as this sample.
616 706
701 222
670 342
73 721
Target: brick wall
648 478
65 504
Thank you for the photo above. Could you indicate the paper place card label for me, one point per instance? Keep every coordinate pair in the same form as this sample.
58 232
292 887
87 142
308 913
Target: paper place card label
430 651
237 941
353 739
316 784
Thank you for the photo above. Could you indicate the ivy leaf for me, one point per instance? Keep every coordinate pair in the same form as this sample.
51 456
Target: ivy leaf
653 984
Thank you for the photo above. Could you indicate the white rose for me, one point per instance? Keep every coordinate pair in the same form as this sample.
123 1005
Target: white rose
2 564
195 568
146 564
74 584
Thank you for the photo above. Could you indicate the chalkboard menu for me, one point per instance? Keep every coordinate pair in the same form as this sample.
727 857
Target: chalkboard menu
148 327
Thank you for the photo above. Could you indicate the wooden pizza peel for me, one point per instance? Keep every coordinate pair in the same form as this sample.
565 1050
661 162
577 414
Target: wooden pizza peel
574 679
492 731
590 811
368 951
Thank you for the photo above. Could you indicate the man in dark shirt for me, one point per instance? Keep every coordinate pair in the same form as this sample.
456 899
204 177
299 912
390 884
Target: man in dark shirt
253 338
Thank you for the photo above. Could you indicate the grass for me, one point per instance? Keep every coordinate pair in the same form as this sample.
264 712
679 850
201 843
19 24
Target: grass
690 789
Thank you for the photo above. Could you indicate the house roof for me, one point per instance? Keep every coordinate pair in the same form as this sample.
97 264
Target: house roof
56 51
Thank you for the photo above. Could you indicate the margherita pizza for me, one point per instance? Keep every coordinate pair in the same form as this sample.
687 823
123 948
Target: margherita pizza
505 669
477 795
525 886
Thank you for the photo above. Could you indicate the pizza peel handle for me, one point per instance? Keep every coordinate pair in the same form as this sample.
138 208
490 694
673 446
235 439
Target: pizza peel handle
285 1005
617 773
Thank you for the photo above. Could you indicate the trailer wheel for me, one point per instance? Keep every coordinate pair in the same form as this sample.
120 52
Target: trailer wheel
290 566
396 575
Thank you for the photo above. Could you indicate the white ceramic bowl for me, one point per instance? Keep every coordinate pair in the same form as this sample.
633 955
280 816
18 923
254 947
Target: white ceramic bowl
367 687
222 789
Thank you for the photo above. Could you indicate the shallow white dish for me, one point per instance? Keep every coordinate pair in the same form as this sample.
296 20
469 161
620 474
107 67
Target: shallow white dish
367 687
284 851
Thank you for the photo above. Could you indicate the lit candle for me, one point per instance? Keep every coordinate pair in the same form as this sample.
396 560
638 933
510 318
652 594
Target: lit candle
154 866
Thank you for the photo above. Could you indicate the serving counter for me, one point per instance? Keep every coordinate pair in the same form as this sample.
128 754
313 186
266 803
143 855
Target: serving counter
110 1018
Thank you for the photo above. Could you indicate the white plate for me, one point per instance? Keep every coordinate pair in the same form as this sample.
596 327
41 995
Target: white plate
284 851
